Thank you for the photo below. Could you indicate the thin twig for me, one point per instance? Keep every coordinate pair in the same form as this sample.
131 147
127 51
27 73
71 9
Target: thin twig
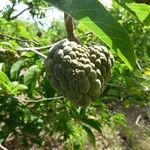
14 17
137 120
35 48
2 147
18 39
37 101
35 51
138 65
39 53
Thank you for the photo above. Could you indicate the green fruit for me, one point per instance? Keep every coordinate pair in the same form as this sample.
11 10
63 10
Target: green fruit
80 73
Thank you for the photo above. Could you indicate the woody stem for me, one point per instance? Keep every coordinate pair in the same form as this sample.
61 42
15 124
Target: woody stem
70 28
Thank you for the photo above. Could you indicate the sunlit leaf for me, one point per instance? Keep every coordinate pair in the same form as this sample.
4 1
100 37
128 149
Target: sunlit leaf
3 78
16 88
6 44
4 82
141 10
147 71
28 54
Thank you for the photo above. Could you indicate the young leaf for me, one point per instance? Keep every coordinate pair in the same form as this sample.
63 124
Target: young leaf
28 54
90 135
95 17
16 68
30 79
4 82
4 78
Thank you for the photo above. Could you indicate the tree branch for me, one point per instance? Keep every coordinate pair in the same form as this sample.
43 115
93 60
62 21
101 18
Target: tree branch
39 53
17 39
35 48
37 101
14 17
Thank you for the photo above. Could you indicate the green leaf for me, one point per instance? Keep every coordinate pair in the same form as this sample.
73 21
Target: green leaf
4 78
16 88
119 118
28 54
93 123
30 79
6 44
96 18
16 68
47 90
141 10
4 82
147 20
90 135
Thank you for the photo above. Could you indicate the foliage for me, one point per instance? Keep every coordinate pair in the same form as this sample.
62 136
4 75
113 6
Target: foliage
106 28
30 109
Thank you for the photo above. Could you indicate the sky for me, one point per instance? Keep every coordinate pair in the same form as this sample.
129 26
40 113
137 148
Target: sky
51 14
3 3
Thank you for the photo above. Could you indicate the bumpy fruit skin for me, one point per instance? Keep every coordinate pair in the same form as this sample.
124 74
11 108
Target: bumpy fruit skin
79 73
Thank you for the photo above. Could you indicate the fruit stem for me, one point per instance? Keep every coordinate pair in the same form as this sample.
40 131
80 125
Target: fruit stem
70 28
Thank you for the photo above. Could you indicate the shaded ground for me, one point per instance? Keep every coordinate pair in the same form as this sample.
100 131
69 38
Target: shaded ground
136 136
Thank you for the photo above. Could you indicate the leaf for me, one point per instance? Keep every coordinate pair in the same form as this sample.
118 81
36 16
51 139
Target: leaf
119 118
16 88
93 123
30 79
4 82
141 10
16 68
90 135
96 18
27 54
147 20
4 78
6 44
47 90
147 71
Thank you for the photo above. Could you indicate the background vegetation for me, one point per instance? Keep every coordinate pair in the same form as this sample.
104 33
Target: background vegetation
32 115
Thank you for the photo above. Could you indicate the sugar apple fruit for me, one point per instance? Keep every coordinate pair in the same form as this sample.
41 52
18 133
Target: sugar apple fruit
79 73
